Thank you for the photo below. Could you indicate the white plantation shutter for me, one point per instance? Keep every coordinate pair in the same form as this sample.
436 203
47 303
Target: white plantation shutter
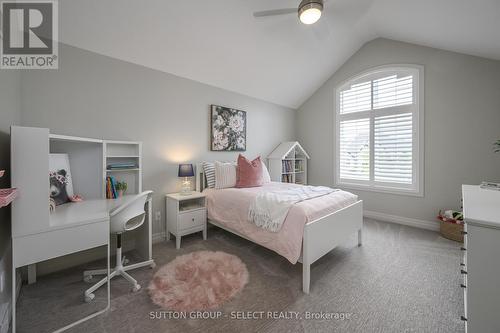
378 130
393 149
357 98
392 91
355 149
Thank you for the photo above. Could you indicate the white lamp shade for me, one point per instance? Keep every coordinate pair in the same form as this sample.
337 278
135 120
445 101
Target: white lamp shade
310 16
310 11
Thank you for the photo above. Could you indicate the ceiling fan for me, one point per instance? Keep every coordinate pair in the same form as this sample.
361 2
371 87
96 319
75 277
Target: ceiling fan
309 11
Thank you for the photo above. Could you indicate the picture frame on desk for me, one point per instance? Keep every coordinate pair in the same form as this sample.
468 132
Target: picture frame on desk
60 181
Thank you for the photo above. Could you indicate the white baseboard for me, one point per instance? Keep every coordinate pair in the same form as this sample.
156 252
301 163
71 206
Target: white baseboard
422 224
158 237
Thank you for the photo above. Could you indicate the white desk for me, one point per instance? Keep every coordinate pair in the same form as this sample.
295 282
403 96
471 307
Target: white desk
73 227
38 235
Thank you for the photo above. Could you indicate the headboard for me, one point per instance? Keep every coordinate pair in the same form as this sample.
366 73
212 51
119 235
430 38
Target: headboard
201 181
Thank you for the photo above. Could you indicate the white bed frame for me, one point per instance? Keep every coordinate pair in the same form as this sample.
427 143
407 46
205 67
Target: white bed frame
320 236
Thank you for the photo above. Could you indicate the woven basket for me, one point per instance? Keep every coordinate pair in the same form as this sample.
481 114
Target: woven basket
452 231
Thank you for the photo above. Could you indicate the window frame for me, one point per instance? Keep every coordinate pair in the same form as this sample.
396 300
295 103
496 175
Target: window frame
415 189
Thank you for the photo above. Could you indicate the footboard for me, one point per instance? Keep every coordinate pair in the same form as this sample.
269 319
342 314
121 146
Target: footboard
323 235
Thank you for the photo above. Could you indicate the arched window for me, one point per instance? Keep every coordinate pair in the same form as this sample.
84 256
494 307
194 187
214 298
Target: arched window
379 130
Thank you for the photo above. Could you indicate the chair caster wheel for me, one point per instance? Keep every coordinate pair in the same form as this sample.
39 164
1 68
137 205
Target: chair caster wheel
136 288
89 298
153 265
125 261
88 278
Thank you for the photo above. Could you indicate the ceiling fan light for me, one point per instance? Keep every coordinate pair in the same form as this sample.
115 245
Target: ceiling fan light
310 11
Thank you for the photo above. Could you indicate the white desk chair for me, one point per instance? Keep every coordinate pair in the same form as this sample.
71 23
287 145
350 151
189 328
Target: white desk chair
126 217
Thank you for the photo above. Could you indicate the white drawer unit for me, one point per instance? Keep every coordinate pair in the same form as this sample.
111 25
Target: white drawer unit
186 214
191 219
480 267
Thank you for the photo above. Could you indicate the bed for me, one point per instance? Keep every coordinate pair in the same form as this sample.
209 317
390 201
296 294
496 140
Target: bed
312 228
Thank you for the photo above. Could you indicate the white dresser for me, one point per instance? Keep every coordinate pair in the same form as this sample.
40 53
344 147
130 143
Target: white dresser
480 267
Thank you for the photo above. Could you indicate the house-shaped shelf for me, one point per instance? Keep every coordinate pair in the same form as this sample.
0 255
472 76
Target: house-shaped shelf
288 163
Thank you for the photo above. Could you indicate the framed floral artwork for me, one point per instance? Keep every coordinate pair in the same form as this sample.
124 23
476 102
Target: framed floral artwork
229 129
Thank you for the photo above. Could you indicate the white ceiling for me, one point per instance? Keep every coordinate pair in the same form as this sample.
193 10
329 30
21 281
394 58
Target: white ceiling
276 59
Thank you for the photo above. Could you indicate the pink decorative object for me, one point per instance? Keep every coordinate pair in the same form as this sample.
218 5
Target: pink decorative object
7 195
249 173
76 198
200 280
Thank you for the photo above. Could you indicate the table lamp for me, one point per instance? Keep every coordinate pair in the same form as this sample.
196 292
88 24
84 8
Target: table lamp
186 171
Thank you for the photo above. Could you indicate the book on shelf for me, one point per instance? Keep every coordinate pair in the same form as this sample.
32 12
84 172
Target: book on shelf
108 188
111 192
121 165
298 166
287 178
287 166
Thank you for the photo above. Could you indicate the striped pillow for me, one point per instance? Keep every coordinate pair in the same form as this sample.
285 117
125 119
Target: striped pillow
225 175
209 169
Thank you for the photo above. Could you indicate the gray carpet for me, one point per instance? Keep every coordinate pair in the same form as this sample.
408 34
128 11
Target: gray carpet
401 280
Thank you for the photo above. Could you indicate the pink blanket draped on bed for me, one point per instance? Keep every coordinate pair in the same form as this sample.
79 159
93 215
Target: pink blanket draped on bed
229 207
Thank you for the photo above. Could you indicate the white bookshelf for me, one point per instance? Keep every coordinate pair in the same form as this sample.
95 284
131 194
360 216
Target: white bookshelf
288 163
123 152
88 159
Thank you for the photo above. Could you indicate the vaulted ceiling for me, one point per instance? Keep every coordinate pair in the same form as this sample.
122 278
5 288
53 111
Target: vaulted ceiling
276 59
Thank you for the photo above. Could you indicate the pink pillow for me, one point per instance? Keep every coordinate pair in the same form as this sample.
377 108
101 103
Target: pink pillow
249 173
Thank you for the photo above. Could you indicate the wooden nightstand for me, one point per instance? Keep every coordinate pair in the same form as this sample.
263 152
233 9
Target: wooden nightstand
186 214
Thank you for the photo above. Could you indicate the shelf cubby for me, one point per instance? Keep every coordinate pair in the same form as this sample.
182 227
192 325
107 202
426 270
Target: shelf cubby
124 152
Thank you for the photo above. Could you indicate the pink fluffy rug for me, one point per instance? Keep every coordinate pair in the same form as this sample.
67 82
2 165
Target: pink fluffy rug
198 281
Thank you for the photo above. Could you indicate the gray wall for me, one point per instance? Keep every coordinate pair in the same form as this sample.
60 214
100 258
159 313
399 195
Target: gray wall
462 120
10 113
96 96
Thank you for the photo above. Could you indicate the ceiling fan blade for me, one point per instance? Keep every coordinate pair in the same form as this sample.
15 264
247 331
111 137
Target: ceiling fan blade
275 12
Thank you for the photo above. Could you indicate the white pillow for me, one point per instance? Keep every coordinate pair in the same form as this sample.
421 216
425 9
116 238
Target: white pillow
225 175
266 178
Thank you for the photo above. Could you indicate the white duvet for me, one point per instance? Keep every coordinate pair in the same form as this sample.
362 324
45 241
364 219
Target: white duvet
270 208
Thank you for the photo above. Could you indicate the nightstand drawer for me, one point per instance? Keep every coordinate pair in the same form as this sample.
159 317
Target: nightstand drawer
192 219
